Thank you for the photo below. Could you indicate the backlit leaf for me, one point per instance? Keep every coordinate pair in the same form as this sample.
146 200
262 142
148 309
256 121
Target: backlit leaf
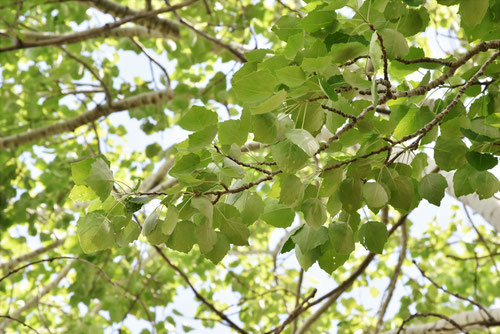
373 236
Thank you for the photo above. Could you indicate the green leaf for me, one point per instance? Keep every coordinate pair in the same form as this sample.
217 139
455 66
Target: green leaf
317 64
80 170
402 193
150 223
257 55
472 11
413 21
414 120
341 237
415 3
481 161
205 235
129 233
152 150
156 237
373 236
265 128
331 182
475 136
205 206
94 232
287 246
394 10
449 153
327 88
277 214
330 261
334 205
286 26
375 195
182 238
418 165
309 116
171 219
374 91
227 217
219 250
202 138
288 156
432 187
253 207
198 118
304 140
100 179
314 212
236 232
351 194
292 76
271 104
356 79
342 52
316 20
232 132
485 184
292 190
82 193
133 204
255 87
294 44
461 180
308 238
306 260
185 165
395 43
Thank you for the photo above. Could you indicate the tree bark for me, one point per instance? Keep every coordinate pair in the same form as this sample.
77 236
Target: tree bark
85 118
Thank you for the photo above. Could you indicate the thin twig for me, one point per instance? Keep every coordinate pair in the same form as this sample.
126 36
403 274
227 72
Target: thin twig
262 170
429 314
6 316
454 294
394 278
481 237
198 295
339 112
297 298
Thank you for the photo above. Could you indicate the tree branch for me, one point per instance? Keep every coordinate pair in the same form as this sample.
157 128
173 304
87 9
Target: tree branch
469 320
333 295
19 321
87 117
145 18
38 39
456 295
149 19
481 47
198 295
14 262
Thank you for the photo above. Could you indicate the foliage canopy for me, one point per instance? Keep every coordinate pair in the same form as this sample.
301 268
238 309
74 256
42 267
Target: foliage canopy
307 129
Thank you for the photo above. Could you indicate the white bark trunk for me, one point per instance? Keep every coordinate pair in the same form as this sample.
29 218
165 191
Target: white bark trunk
470 320
74 37
167 27
85 118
